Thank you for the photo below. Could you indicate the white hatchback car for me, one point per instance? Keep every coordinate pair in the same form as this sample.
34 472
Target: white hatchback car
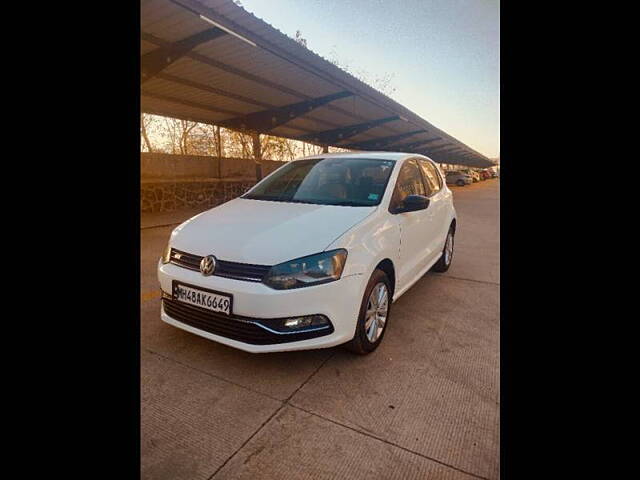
312 256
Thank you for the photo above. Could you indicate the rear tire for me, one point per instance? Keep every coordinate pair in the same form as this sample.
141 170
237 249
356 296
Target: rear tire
444 262
367 337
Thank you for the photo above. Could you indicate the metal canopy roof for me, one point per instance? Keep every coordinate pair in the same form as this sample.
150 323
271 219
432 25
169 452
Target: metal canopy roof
213 62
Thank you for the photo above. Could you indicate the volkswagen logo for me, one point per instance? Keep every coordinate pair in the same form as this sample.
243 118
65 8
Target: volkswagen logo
207 265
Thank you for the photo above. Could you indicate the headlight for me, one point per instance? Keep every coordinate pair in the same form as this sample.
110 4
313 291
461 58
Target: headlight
166 255
306 271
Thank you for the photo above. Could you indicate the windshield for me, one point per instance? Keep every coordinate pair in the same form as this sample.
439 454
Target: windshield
343 181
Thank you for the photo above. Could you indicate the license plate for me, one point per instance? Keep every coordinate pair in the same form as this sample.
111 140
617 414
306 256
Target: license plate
199 297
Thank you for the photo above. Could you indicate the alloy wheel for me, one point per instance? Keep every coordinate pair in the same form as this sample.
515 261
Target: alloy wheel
448 249
377 311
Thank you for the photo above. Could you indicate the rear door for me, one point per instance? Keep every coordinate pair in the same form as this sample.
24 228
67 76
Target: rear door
415 230
440 198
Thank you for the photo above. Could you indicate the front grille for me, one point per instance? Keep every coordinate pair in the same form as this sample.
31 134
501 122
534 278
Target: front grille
238 271
235 328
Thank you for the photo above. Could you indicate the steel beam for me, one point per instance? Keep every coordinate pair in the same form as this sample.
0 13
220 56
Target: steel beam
439 148
380 142
196 118
267 120
190 118
448 158
224 93
332 137
451 151
189 103
200 106
154 62
411 146
444 156
214 90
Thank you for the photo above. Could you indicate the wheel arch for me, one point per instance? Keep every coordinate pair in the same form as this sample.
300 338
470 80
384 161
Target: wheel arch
388 268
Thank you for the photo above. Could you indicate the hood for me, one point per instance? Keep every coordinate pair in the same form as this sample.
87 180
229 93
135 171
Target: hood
263 232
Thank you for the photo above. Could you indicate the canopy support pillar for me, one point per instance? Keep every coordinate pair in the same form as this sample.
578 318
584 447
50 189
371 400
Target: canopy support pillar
257 154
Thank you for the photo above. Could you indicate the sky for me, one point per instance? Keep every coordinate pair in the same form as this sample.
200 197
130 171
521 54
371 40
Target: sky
443 55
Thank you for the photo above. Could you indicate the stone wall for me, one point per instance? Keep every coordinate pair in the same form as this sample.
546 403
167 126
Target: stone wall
174 182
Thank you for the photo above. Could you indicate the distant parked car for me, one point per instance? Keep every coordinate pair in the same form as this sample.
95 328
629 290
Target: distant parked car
486 175
475 175
458 178
467 171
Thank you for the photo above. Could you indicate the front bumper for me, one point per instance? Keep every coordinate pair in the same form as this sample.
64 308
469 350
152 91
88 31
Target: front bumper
339 301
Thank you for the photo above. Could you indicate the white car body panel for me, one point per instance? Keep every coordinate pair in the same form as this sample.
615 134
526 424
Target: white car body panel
265 233
268 233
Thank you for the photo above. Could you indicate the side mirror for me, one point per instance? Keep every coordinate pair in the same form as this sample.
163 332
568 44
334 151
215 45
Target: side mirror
414 203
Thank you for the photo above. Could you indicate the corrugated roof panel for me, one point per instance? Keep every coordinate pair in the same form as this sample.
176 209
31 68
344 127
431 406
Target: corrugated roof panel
369 136
369 111
170 21
168 88
287 131
319 120
278 71
335 117
174 29
218 78
226 8
236 53
288 72
154 10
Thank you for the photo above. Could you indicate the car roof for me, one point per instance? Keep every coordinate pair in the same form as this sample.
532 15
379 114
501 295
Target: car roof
395 156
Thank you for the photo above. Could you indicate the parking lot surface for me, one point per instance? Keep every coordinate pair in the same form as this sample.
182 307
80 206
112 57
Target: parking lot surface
425 404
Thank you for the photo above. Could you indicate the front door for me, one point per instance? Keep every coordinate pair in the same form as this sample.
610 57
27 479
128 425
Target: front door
439 198
416 233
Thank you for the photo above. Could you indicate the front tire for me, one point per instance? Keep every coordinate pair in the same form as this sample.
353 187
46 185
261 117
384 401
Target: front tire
374 314
460 183
444 262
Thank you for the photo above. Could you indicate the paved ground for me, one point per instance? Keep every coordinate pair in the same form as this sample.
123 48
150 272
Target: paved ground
424 405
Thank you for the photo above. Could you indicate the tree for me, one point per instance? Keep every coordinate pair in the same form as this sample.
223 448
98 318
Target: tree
300 39
202 140
237 144
178 135
145 123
